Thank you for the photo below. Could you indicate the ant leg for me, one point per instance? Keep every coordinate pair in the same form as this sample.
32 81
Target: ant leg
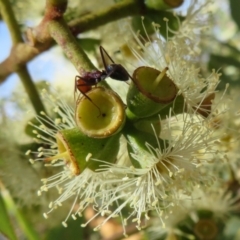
85 95
104 53
105 56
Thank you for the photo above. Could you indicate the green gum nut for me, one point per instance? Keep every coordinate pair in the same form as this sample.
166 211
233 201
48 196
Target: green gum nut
175 107
150 91
149 125
100 114
137 145
178 106
76 149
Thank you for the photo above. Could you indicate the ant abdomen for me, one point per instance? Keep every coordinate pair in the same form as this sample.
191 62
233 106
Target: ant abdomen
117 72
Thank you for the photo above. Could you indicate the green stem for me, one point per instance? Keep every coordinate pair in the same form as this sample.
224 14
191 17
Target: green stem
119 10
84 23
61 33
31 89
9 18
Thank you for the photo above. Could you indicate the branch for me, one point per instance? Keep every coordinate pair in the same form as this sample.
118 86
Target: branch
9 18
40 39
61 33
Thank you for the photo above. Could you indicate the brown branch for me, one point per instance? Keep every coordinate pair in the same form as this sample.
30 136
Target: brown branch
61 33
30 88
40 40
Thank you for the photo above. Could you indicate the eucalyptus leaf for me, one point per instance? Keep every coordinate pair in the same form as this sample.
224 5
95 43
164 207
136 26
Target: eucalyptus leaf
235 6
89 44
6 227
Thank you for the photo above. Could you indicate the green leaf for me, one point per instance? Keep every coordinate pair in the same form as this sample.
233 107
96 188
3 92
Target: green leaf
5 224
235 6
220 62
21 219
29 128
232 228
89 44
224 60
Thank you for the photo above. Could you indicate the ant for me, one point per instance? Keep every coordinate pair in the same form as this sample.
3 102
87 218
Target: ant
115 71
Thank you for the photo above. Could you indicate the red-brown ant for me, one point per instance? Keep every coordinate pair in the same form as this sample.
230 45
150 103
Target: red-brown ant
115 71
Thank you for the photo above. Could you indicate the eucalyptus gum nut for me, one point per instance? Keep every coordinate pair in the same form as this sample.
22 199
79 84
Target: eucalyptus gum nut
102 115
139 105
150 91
136 144
79 147
131 116
149 126
108 151
177 107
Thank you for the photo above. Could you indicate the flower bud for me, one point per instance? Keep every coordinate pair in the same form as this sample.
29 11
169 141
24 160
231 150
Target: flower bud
100 114
206 229
149 125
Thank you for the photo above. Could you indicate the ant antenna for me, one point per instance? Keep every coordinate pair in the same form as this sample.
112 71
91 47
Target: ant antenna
85 95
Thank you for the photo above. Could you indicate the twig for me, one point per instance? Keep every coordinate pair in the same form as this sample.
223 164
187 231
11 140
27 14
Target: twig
9 18
42 41
61 33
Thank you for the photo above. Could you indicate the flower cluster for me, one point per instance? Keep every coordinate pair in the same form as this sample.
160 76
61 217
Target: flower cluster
156 152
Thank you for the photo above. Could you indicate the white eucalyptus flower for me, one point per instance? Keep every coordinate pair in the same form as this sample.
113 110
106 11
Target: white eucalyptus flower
179 54
86 187
165 172
199 217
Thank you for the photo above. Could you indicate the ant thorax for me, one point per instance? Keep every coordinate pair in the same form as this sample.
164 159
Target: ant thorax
93 77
